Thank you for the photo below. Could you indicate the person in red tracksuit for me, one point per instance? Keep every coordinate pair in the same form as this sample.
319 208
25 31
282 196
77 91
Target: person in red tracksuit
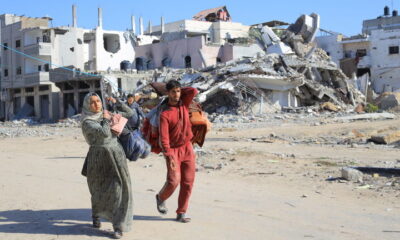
175 135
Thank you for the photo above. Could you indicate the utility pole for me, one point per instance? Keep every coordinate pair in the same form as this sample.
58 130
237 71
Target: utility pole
103 95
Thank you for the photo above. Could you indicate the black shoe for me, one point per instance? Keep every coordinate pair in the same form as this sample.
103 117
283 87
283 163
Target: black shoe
96 222
117 234
161 206
181 217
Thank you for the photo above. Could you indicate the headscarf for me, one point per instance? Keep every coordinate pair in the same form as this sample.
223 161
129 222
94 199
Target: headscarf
87 114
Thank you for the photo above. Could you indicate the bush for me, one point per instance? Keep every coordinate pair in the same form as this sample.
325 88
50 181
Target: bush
370 108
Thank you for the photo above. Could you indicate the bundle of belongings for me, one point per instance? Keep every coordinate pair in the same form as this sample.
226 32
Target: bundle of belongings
200 123
150 130
130 138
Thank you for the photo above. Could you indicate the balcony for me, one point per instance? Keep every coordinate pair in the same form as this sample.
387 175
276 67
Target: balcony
28 80
38 49
37 78
6 83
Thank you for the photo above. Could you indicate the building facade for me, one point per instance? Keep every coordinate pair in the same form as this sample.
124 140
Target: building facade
34 82
375 51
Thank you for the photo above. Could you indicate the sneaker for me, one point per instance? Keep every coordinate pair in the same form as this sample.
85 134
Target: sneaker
161 206
117 234
181 217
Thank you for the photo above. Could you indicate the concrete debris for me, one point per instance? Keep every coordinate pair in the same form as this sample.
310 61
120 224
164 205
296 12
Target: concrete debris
290 73
388 138
360 108
329 106
388 100
29 127
368 116
352 175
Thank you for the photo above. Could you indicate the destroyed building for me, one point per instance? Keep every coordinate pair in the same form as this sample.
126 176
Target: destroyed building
287 70
235 67
33 82
197 43
25 81
372 57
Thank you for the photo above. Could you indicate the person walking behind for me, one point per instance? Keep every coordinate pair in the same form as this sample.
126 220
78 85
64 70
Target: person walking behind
138 115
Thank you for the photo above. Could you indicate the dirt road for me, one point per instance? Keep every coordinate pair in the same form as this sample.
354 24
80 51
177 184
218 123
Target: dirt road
244 189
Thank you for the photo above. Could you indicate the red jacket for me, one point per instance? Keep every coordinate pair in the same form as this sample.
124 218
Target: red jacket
175 127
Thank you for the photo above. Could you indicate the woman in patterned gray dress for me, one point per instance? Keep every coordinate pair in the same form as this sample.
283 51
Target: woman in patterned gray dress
106 168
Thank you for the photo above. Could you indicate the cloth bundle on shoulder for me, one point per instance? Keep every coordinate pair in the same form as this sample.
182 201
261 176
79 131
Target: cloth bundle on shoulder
150 129
200 123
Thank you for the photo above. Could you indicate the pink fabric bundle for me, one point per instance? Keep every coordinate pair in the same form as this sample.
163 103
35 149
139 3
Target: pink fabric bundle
118 123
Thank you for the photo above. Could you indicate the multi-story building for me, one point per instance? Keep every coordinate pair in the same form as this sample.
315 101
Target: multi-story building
209 38
375 51
46 71
34 82
26 80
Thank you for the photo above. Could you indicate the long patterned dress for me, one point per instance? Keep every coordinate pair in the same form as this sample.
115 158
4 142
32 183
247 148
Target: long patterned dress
108 174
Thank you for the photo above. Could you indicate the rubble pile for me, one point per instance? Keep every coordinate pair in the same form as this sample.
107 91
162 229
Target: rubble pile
291 72
29 127
23 128
73 121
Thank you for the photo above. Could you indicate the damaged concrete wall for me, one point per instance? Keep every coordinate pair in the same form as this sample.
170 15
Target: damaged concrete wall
106 59
332 47
34 22
69 48
176 52
239 51
218 32
385 64
184 25
229 30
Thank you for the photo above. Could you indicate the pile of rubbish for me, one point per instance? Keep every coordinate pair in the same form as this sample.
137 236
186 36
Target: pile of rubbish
291 72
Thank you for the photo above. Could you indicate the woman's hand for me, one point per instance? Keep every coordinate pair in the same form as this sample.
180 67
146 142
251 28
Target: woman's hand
111 99
106 115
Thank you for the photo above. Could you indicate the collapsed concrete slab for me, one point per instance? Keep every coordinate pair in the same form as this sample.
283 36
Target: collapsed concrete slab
368 116
290 72
387 138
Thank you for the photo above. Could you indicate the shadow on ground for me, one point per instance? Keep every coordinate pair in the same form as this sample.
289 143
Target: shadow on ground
52 222
151 218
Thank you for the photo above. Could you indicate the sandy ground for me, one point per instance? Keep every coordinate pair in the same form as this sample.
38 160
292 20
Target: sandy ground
261 190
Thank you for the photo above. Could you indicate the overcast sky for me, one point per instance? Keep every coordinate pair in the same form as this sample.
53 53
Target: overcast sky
343 16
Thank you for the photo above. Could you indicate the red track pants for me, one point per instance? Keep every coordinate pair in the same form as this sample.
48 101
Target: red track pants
181 170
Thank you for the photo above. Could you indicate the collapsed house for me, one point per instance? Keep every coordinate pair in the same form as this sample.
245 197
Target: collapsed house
41 68
287 71
237 68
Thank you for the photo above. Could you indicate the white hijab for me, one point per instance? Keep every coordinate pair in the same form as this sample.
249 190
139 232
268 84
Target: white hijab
87 114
